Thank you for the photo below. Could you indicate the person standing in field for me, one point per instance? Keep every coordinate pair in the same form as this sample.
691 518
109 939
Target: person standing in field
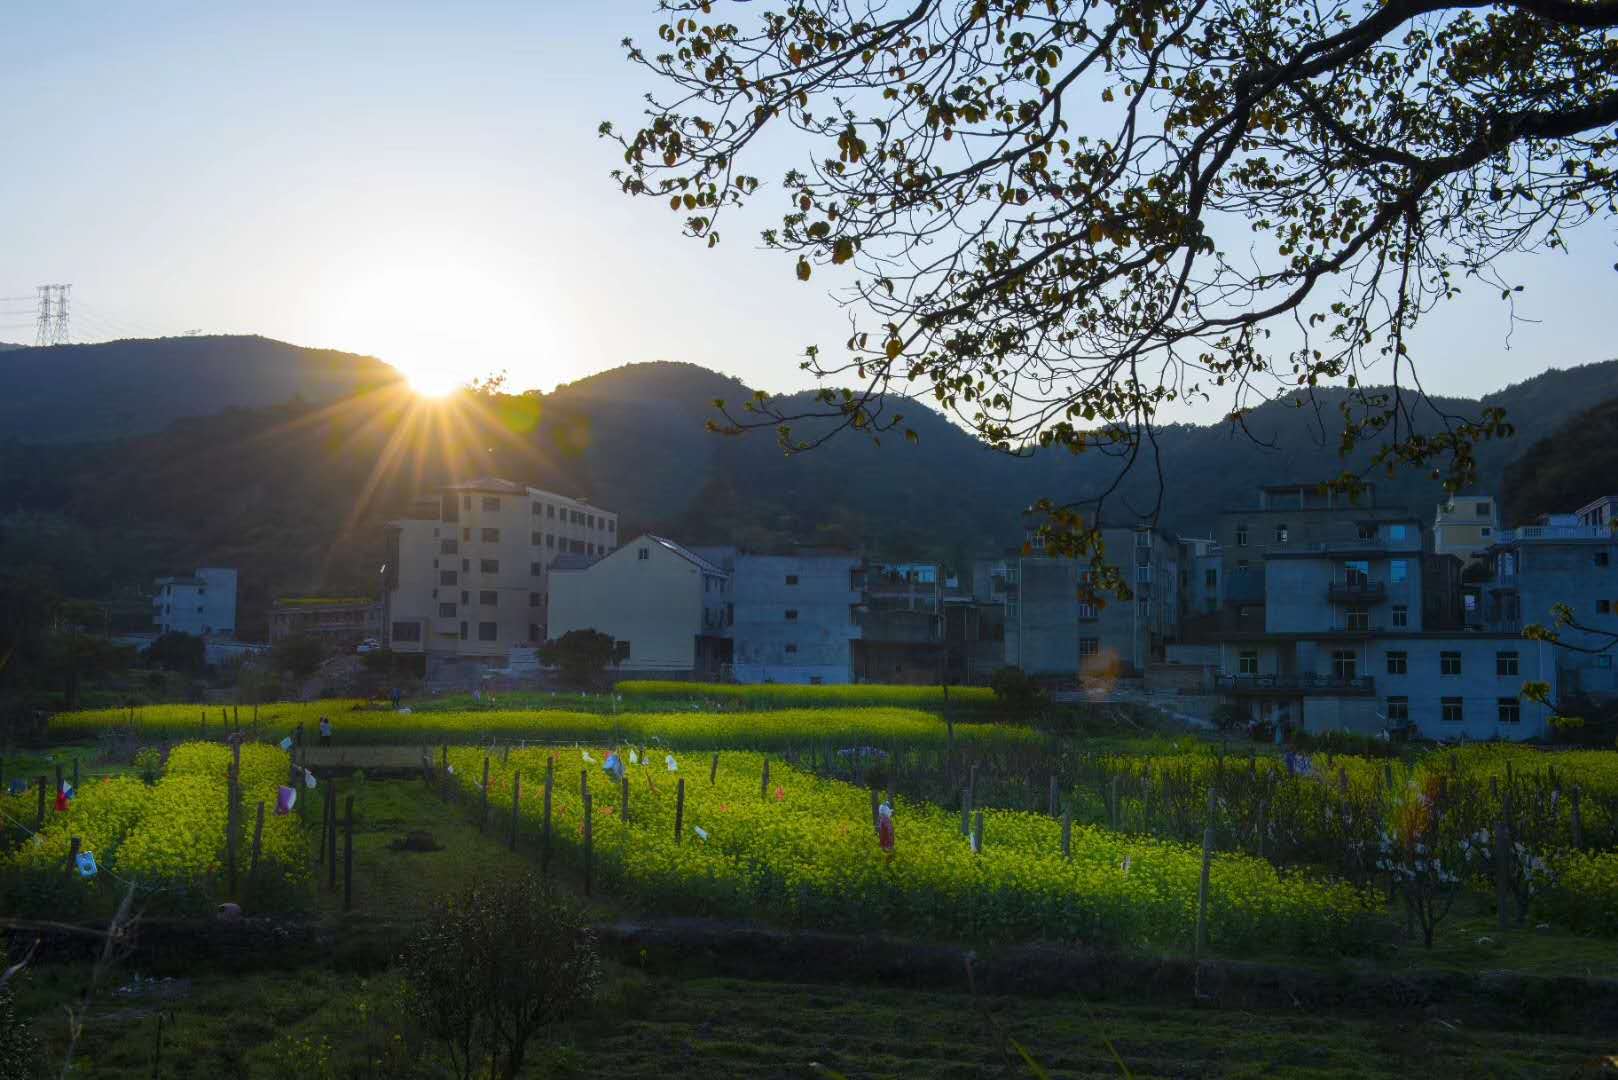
325 731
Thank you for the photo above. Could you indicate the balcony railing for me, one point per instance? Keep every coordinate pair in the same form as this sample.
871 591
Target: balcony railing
1357 592
1307 683
1554 532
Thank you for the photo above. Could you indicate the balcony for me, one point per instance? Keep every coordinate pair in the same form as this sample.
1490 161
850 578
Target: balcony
1357 592
1288 685
1554 532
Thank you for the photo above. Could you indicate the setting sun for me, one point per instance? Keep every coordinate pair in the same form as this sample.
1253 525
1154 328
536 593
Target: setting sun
431 380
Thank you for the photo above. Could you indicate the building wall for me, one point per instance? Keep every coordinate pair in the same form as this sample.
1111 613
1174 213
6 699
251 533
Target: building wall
813 645
1479 686
204 604
1466 525
655 603
334 622
1298 597
480 578
411 616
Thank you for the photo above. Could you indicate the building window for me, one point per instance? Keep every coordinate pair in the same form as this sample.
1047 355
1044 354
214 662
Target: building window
550 540
466 534
538 509
792 647
406 631
489 566
1398 663
589 521
491 536
1601 558
488 631
533 632
448 577
1358 618
1603 607
1344 665
1510 710
491 504
643 554
1399 571
1398 710
1281 533
1241 536
535 539
536 569
1367 531
792 614
550 511
1482 509
449 547
466 502
1089 646
1449 663
1396 532
1401 615
1143 575
1087 612
1486 531
1356 573
534 599
465 597
1210 579
612 525
1451 712
1247 662
463 629
1505 663
792 579
446 611
576 546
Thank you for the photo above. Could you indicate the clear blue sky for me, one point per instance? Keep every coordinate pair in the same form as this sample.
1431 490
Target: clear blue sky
423 182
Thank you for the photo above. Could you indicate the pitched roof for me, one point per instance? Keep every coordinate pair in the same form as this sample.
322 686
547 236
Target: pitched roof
490 483
683 552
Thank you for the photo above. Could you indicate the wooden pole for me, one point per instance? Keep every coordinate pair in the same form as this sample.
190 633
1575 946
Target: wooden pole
679 809
230 831
348 853
1502 873
713 770
584 783
588 852
72 855
483 813
764 783
977 833
1578 820
1067 833
258 840
516 804
545 835
331 836
1202 885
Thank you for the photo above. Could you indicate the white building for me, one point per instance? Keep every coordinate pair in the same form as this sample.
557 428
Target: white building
203 604
468 570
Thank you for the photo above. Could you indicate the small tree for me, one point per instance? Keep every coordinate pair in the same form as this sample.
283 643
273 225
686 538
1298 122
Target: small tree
177 651
582 656
497 965
1015 691
299 656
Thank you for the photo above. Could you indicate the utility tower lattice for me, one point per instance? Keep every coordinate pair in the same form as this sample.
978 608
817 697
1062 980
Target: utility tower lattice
51 326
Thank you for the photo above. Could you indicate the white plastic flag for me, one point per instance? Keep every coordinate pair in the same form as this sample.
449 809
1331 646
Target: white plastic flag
308 779
634 758
286 743
588 758
700 831
671 763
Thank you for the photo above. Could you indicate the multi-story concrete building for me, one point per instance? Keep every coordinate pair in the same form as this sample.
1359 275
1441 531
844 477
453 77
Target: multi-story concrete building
901 619
340 621
1201 576
665 606
203 604
468 570
1344 643
1567 559
1465 526
1053 629
794 617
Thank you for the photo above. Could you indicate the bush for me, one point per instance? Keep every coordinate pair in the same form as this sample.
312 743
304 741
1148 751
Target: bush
1344 742
19 1049
1014 690
582 656
497 964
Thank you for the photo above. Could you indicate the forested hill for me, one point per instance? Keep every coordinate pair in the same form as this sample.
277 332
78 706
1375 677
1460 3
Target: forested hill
295 494
81 393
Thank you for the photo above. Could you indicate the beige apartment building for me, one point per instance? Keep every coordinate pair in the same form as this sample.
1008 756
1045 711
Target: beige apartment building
468 570
1466 526
664 606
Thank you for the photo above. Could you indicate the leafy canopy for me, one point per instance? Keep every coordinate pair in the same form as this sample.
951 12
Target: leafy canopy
1060 216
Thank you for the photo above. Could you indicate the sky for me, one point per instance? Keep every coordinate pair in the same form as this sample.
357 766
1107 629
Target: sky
424 183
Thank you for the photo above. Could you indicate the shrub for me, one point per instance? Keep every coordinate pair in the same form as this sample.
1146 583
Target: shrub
496 965
1015 691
